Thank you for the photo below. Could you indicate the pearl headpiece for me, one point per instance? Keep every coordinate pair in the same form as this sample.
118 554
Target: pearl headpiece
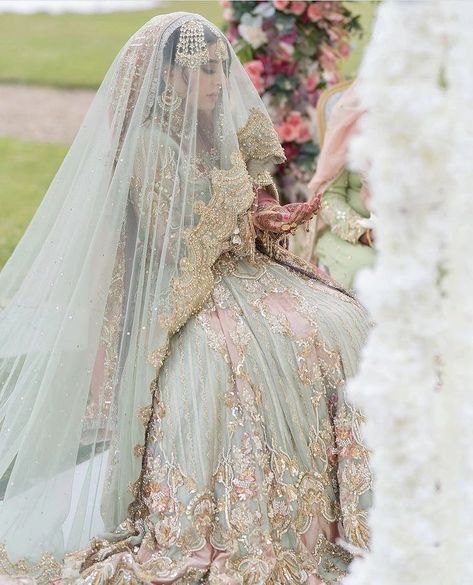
192 50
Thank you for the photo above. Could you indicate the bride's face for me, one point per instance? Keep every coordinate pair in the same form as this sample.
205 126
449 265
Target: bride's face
205 84
211 78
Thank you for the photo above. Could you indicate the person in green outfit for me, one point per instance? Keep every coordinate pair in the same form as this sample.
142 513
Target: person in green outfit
344 238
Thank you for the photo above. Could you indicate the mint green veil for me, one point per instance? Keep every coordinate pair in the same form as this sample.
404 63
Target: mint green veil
119 254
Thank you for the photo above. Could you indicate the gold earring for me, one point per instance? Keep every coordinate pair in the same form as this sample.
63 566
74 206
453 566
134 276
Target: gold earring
169 100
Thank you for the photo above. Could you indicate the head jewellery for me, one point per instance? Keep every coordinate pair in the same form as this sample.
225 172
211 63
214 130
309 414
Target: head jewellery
192 49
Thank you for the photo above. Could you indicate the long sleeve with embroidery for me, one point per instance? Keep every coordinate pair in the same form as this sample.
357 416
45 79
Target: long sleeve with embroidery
338 213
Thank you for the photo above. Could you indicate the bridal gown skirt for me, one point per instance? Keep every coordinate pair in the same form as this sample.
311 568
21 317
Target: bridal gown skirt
253 466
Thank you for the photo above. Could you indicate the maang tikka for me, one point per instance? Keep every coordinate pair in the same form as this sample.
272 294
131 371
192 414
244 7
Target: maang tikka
192 49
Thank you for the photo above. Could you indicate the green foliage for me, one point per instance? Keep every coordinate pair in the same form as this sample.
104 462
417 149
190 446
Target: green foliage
307 155
240 8
243 50
310 38
284 22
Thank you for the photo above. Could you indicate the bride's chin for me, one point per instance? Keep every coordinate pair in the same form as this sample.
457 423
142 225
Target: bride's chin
207 105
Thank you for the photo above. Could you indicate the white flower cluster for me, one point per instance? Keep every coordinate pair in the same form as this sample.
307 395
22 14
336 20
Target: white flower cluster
457 286
416 374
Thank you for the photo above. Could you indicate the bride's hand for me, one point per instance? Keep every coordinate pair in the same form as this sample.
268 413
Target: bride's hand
299 213
285 218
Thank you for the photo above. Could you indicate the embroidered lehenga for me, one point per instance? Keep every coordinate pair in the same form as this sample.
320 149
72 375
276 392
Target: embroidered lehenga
173 403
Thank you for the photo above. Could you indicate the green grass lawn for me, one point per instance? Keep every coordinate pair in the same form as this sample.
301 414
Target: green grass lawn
75 50
26 169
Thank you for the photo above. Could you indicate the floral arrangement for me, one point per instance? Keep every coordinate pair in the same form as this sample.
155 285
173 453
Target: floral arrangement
415 379
291 50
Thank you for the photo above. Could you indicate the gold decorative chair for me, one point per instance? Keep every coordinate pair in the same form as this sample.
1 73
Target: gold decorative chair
328 98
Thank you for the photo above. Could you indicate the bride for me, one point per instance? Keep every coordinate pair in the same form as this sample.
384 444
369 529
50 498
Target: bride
172 404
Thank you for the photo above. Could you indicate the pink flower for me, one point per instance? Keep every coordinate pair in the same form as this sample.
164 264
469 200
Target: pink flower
334 35
315 11
278 67
328 58
297 8
285 51
225 3
259 85
303 134
292 127
294 119
232 33
291 150
335 17
345 49
312 81
286 132
280 4
254 69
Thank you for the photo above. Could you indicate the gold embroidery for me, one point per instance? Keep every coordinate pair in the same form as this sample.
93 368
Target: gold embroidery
232 196
258 140
331 559
138 450
44 571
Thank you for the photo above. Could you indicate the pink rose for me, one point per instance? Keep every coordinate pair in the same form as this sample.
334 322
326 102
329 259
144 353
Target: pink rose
259 84
297 8
294 119
303 134
254 67
286 133
225 3
312 81
315 11
280 4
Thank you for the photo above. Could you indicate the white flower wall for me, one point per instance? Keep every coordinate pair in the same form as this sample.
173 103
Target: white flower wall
457 287
415 383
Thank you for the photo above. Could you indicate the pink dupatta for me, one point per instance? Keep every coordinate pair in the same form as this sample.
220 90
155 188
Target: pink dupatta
333 156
